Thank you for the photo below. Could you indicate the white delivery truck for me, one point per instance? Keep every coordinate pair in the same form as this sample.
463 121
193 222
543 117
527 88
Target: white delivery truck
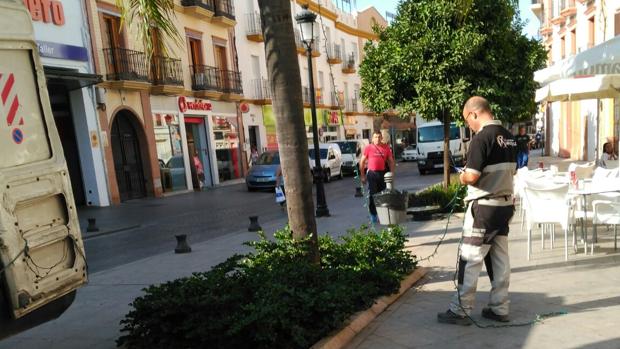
429 138
42 260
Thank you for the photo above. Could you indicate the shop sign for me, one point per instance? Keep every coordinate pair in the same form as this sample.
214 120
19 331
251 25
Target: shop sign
244 107
46 11
62 51
186 104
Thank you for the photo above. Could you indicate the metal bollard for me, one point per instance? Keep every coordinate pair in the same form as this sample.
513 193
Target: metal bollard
358 192
254 226
92 225
182 245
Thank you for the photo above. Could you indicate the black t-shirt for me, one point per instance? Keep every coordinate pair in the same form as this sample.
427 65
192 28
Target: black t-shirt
492 154
522 142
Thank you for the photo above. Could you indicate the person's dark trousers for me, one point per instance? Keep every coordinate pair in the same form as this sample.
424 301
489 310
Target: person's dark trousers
522 158
376 183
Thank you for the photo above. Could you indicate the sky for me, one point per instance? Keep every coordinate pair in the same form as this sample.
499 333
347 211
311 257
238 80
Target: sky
524 8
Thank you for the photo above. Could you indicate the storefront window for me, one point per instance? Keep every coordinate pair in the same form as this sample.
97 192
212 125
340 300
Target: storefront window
169 152
226 132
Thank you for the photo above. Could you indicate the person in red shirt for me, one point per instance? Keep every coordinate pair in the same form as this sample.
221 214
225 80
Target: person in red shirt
375 162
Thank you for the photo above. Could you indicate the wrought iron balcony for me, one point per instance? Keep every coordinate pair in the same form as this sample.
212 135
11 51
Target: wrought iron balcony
206 4
225 8
253 24
231 81
352 105
124 64
260 89
334 53
205 77
166 71
348 66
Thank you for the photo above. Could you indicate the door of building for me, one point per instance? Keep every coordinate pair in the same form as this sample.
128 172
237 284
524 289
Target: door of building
127 159
197 148
61 108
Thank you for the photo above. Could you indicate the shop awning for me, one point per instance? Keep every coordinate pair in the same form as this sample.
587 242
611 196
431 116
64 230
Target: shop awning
572 89
593 73
603 59
73 79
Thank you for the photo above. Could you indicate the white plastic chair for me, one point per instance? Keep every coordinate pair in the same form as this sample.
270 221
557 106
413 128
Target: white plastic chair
583 171
546 204
607 212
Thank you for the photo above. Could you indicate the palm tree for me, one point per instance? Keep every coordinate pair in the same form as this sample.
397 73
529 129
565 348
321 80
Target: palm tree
283 71
147 15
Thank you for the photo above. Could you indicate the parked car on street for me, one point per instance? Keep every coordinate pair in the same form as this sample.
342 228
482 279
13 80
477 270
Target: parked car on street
351 154
410 153
176 166
331 160
262 175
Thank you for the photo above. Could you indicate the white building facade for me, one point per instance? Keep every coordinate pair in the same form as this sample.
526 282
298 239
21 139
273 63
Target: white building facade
578 34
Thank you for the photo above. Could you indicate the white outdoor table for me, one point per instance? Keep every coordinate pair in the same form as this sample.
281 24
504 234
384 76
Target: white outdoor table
589 188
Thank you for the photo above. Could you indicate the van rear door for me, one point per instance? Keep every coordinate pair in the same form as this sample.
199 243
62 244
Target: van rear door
41 249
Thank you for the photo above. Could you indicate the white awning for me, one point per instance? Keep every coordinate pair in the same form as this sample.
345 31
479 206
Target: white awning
603 59
572 89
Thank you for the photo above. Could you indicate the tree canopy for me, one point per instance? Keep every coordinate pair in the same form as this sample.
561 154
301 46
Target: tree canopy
437 53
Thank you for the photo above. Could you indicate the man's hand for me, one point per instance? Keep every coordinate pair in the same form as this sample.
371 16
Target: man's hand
363 178
468 177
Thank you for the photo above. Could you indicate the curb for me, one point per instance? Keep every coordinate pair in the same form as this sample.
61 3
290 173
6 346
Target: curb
357 322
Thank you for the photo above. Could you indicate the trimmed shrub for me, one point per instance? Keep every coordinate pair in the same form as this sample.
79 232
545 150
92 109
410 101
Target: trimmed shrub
444 198
273 297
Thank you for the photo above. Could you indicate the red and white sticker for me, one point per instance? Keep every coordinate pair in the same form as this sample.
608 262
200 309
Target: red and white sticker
9 106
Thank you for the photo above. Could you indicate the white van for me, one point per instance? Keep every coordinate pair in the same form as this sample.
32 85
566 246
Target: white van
429 140
42 259
331 160
351 150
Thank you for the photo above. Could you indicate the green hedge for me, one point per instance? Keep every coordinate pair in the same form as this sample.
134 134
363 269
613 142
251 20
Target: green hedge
437 195
273 297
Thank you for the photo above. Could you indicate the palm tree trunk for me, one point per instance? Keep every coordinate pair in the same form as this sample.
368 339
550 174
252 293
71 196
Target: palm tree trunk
446 149
283 72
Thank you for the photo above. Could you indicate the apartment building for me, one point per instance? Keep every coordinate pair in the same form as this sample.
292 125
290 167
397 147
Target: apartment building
336 58
580 105
171 123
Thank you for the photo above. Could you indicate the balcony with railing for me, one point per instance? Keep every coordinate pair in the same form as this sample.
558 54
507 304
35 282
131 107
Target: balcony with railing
224 13
126 69
537 8
334 54
568 8
199 8
301 46
351 106
307 98
253 30
205 78
231 82
261 91
166 75
348 66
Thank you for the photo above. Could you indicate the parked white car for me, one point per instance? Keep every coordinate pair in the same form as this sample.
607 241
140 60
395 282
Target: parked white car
351 154
410 153
331 160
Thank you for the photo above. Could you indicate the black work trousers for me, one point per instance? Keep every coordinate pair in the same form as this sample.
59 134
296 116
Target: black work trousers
376 184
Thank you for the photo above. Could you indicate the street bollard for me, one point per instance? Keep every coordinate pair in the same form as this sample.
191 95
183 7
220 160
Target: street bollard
92 225
254 226
358 192
182 245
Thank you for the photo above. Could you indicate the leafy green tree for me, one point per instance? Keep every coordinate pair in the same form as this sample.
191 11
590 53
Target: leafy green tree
437 53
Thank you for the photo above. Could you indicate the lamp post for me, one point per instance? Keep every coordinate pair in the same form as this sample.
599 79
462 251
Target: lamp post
306 21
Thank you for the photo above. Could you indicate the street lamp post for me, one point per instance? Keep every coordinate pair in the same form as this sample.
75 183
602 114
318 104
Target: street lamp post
306 20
